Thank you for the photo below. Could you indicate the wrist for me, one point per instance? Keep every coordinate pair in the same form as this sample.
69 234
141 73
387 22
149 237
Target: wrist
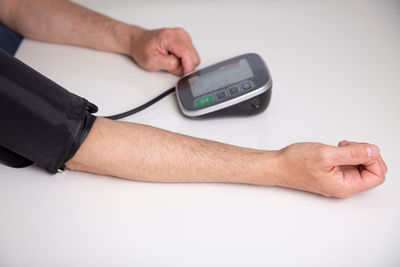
125 35
134 45
267 169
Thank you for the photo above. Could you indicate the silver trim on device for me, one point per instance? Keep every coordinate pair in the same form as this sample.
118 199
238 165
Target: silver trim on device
216 107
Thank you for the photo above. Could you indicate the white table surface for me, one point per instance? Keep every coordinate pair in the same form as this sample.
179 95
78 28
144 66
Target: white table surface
335 66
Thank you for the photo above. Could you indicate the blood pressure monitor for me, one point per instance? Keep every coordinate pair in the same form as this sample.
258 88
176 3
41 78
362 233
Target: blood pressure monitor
238 86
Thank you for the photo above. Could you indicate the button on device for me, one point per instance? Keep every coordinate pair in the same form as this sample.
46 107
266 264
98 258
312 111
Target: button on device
204 101
233 90
221 95
247 85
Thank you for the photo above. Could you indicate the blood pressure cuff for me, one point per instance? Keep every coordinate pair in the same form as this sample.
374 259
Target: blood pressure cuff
40 121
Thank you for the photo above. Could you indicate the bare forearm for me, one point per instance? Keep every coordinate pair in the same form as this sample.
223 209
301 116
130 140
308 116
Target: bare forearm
140 152
144 153
65 22
61 21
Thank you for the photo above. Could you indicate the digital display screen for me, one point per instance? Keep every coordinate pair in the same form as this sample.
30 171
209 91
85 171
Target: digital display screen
223 76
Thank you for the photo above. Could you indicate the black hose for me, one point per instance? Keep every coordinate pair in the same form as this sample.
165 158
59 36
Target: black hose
140 108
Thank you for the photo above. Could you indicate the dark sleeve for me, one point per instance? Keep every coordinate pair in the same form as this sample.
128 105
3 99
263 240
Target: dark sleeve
40 121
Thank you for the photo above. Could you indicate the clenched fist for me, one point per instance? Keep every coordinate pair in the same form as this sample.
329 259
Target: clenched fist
331 171
168 49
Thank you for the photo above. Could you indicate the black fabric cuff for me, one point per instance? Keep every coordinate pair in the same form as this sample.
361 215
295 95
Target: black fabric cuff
40 121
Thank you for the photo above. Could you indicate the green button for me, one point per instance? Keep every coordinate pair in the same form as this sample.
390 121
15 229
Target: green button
204 101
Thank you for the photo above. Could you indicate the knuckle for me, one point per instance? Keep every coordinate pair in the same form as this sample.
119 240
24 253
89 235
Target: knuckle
183 33
173 64
166 32
180 29
322 153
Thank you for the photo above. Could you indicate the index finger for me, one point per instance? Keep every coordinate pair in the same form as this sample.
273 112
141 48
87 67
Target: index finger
185 35
372 173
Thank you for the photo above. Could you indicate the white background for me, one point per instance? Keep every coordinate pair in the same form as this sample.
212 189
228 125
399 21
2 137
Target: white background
335 67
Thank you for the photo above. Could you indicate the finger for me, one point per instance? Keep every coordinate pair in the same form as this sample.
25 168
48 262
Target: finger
187 58
359 179
184 34
195 53
351 153
380 163
385 169
369 180
375 167
196 57
183 51
371 173
167 62
178 71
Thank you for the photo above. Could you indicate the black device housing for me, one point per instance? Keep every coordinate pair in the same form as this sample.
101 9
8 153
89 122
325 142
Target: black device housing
248 107
261 82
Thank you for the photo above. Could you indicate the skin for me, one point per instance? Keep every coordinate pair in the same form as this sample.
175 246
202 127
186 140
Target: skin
57 21
144 153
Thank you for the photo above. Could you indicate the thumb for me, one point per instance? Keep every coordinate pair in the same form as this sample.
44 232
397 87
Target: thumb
353 154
